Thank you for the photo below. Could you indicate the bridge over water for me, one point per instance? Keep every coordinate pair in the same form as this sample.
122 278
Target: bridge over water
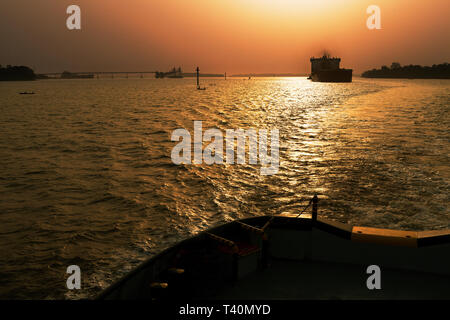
109 74
125 74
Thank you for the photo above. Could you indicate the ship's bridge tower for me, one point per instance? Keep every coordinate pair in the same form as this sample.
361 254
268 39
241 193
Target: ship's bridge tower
324 63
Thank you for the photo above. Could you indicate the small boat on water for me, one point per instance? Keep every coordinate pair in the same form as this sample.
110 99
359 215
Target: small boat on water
292 257
32 92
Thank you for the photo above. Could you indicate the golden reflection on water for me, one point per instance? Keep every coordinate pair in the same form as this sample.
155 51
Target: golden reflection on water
87 172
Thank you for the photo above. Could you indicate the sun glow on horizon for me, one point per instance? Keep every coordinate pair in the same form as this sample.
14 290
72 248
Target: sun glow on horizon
245 36
310 6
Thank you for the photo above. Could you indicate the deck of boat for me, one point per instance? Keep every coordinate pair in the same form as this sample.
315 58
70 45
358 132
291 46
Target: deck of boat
279 257
311 280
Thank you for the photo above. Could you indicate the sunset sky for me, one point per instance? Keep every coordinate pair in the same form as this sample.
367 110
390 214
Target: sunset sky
236 36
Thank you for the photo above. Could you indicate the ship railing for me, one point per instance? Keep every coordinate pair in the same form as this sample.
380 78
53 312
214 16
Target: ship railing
314 202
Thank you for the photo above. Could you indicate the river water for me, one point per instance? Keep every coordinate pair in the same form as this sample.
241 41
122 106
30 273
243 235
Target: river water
87 177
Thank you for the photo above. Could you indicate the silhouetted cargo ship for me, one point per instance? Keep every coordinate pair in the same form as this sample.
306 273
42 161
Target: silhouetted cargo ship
326 69
174 73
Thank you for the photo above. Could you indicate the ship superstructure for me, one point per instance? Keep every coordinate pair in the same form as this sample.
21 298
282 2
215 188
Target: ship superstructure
327 69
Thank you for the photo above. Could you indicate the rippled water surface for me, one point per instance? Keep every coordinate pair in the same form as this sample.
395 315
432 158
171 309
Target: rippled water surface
87 178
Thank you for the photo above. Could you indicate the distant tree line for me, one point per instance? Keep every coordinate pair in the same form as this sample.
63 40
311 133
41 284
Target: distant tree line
16 73
439 71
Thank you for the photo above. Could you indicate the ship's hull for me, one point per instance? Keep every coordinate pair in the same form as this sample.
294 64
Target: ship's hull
283 257
341 75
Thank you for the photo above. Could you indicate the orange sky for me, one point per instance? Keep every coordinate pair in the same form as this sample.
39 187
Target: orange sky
236 36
